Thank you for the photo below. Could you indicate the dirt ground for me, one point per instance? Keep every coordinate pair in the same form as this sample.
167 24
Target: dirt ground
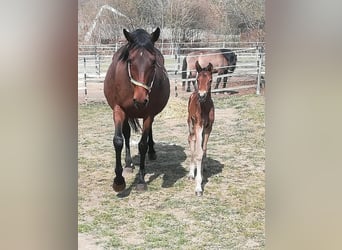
233 204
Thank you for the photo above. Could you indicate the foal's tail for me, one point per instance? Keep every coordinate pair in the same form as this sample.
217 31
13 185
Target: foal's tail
185 65
134 124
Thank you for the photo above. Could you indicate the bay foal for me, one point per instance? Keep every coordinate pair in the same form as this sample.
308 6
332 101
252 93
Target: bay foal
200 121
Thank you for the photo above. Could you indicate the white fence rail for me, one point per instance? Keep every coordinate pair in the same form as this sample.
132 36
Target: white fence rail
93 63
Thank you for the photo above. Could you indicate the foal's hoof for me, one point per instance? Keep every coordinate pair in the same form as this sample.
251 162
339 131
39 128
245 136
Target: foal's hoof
152 156
119 184
141 187
188 90
198 193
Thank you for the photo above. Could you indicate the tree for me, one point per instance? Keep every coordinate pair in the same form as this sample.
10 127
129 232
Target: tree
187 20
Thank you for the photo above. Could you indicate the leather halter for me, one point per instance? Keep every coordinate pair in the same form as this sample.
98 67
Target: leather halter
137 83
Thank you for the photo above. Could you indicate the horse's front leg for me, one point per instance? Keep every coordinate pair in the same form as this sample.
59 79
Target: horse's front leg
119 183
188 89
143 146
191 75
225 79
151 152
218 81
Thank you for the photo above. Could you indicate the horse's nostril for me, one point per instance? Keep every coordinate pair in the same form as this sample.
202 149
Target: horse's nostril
140 104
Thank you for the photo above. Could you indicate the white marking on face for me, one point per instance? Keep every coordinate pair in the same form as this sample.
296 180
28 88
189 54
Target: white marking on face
141 53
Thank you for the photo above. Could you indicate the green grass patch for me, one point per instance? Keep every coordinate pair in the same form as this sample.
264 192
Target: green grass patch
229 215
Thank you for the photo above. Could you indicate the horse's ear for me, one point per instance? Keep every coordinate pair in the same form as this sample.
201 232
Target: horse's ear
210 67
198 66
155 35
128 35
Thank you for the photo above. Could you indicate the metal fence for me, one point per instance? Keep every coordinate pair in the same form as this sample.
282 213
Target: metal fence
93 62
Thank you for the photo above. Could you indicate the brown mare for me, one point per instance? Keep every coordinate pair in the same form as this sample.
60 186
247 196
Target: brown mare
200 121
223 61
136 86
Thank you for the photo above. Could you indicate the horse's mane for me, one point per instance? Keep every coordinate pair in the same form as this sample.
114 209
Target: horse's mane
141 39
228 54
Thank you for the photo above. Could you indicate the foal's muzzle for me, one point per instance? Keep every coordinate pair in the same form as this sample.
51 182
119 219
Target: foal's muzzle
202 96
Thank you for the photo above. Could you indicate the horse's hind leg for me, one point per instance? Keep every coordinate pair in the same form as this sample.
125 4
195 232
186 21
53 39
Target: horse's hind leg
151 152
128 158
218 81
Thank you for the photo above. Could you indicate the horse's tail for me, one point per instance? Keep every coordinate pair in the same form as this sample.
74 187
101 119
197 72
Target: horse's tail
185 65
134 124
231 57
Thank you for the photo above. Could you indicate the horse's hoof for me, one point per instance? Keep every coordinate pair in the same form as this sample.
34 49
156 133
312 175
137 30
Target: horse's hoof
188 90
129 164
191 178
128 169
198 193
152 156
119 184
141 187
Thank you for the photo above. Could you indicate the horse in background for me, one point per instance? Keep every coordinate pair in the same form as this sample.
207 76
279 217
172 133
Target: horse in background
136 86
201 117
223 61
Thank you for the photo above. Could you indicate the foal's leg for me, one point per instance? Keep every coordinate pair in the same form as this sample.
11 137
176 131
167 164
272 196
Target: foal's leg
206 134
198 160
128 158
143 146
192 141
119 183
151 152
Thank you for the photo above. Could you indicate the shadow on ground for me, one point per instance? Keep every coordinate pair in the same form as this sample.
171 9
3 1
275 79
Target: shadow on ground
212 168
168 164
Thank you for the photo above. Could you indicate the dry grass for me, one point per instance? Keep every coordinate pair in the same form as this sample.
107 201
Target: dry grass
229 215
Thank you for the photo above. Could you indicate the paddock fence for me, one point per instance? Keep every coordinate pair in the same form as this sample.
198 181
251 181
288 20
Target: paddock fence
94 60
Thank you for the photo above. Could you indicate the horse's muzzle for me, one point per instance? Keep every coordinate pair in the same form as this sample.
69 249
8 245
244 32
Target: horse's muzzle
139 104
202 96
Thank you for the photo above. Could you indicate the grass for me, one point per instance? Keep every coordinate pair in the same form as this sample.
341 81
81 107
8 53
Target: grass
229 215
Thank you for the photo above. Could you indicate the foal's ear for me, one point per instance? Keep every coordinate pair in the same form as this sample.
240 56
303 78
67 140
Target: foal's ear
128 35
198 66
155 35
210 67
